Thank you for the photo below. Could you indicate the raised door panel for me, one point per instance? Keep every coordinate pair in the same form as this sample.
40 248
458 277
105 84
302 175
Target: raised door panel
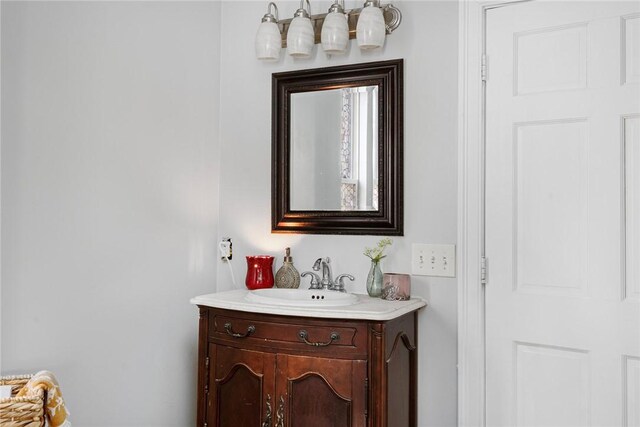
321 392
242 384
630 49
631 149
401 371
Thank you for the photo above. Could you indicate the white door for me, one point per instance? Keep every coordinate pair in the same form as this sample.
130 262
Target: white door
563 214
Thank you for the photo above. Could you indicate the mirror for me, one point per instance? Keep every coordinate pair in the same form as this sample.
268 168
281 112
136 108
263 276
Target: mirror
337 150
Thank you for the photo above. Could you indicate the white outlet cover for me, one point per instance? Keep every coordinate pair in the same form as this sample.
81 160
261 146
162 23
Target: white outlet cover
433 260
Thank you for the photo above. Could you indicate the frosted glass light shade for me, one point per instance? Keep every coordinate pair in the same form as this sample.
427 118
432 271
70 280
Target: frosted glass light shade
335 33
268 41
300 38
371 29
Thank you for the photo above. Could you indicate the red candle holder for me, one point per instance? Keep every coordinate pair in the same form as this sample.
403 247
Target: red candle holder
259 272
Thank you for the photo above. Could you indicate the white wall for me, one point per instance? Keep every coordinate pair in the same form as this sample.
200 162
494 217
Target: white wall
109 200
427 40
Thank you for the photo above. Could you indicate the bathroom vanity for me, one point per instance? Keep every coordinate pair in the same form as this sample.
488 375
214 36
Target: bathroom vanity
285 365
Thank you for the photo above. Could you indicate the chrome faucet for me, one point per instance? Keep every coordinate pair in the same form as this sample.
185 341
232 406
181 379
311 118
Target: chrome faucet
327 279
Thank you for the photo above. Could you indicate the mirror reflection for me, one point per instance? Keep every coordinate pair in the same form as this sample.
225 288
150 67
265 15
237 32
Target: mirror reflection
334 150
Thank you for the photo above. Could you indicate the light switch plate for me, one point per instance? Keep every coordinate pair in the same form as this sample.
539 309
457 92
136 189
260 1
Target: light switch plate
433 260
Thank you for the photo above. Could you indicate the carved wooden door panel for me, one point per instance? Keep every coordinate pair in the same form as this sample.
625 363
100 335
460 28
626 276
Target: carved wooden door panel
320 392
241 388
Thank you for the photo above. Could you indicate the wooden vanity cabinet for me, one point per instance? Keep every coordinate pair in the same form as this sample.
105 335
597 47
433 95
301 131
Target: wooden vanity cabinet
267 370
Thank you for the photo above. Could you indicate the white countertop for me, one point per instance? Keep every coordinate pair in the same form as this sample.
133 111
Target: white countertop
366 308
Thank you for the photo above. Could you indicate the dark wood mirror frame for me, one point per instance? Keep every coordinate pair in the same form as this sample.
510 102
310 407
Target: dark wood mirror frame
388 219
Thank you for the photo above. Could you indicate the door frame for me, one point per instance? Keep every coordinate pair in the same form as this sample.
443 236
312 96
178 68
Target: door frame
471 184
0 206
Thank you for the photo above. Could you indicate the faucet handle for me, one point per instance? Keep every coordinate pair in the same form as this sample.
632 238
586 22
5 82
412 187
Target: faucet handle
315 279
340 281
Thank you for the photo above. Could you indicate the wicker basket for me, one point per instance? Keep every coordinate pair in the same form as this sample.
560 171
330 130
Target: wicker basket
25 411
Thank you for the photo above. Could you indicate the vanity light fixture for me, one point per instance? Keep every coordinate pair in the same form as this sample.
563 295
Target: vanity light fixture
368 24
335 30
371 30
268 39
300 37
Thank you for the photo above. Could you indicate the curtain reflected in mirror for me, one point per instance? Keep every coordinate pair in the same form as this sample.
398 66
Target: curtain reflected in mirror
334 150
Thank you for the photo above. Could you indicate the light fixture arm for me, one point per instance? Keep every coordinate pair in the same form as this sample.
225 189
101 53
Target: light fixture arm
269 17
337 6
392 19
302 12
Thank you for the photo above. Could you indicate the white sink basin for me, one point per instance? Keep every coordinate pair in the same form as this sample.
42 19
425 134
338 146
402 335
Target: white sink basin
301 298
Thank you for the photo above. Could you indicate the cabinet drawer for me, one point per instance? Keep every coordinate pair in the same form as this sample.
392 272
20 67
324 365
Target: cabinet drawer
317 336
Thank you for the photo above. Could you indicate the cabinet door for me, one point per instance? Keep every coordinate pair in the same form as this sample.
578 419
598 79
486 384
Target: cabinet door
241 387
321 392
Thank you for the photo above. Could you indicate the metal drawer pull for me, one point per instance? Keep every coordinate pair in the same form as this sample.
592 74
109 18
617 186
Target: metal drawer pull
304 335
267 417
251 329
